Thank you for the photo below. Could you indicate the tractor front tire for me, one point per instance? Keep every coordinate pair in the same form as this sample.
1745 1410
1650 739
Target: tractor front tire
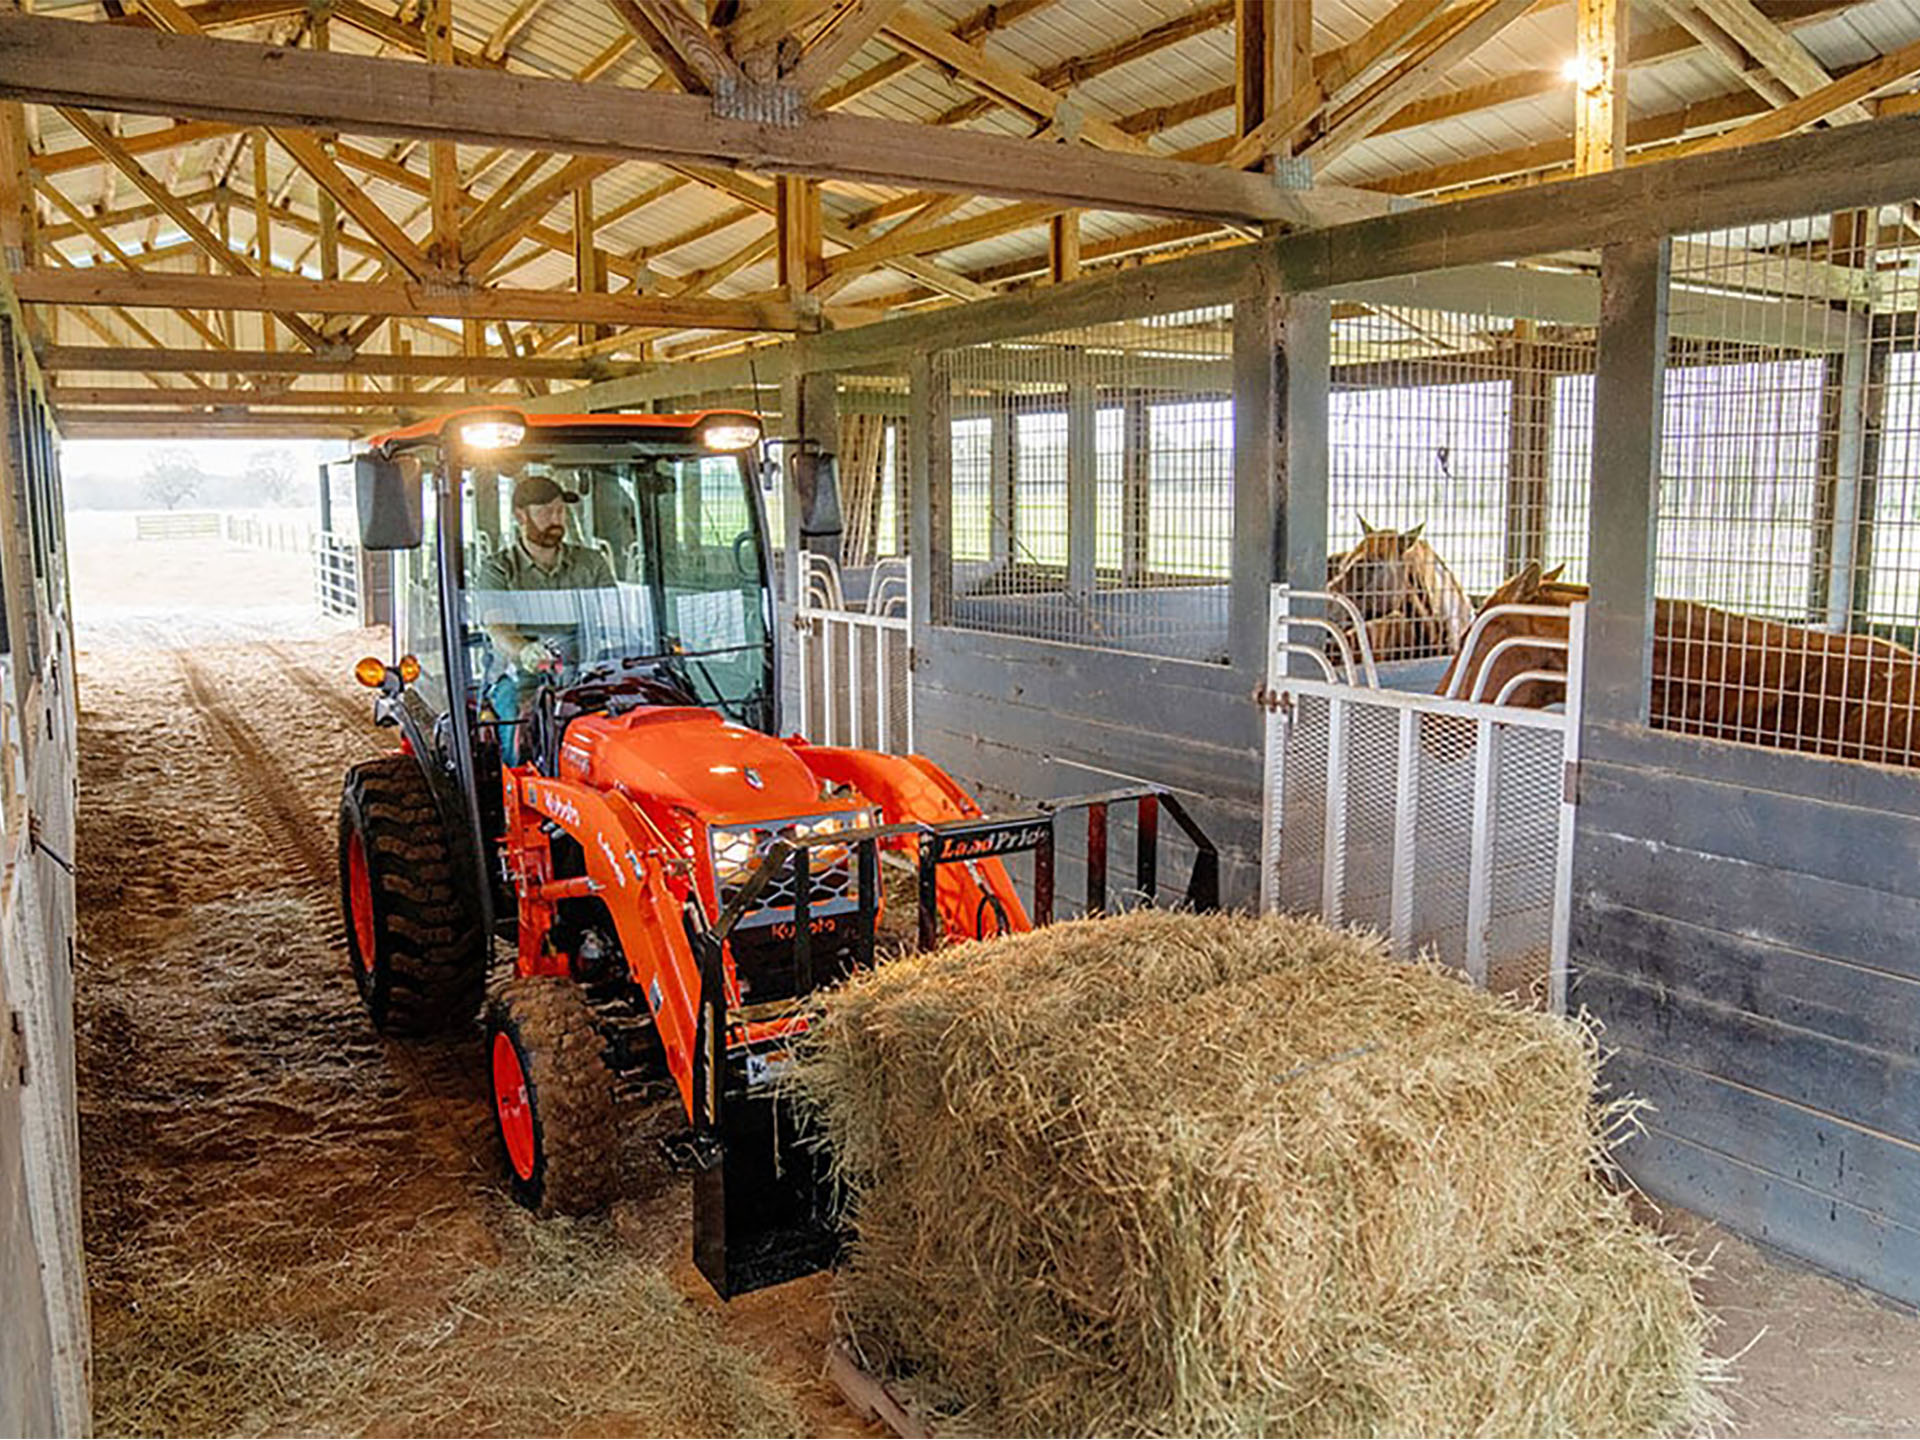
417 949
553 1098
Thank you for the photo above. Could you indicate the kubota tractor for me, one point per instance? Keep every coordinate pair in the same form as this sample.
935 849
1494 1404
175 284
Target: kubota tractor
585 682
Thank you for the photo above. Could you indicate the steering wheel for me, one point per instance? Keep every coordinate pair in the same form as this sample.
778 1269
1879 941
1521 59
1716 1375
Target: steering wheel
745 537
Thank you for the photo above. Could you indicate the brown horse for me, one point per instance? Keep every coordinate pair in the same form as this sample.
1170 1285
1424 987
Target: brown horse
1410 602
1732 677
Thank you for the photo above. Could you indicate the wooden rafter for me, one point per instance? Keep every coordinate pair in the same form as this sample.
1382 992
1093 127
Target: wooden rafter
347 297
117 357
694 58
839 42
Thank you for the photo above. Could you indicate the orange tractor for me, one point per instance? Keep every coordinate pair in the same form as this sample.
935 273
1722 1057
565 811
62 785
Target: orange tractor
586 685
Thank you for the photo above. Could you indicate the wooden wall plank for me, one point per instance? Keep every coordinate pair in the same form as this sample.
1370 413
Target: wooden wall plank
1825 917
1875 849
1867 1087
1841 1239
1869 1171
1876 1009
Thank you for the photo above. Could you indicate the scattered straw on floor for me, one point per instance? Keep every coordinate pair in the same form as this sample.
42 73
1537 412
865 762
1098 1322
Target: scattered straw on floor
1217 1174
560 1332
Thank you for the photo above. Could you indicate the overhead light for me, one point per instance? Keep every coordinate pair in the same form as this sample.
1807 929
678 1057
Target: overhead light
730 435
1585 71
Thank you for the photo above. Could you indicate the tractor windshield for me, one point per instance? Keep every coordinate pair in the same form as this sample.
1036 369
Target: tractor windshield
600 560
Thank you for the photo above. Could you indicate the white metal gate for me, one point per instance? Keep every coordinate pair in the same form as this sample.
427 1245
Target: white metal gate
856 658
1443 821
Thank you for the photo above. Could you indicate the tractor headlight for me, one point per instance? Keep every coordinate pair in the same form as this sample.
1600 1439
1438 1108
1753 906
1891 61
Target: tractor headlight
730 435
738 849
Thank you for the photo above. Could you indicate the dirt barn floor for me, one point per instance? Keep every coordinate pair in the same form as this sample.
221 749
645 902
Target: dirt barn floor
295 1226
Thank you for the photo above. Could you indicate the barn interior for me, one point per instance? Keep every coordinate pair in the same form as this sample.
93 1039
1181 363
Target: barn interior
1449 468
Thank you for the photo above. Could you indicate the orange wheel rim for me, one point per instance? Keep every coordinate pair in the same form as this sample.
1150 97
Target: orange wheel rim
510 1104
360 898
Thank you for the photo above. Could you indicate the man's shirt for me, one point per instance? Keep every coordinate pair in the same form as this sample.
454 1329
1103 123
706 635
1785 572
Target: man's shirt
578 568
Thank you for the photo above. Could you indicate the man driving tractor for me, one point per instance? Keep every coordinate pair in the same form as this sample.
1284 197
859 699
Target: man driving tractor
540 558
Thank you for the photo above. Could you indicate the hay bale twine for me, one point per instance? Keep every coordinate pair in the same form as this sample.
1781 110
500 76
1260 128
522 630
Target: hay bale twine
1166 1173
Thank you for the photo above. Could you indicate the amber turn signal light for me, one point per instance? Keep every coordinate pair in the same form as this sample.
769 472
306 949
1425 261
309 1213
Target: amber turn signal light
409 669
370 672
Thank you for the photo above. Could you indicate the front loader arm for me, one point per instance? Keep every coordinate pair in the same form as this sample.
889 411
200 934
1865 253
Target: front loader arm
910 788
627 871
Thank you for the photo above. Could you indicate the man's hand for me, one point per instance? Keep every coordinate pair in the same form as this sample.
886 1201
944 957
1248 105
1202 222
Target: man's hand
537 655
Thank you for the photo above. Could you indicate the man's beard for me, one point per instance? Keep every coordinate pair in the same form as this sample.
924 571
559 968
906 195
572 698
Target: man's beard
550 539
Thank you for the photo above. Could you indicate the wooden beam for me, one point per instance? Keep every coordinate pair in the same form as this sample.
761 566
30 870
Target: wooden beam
81 359
1600 87
59 62
1448 41
1781 54
19 216
127 396
995 16
1857 85
490 240
147 424
345 297
684 48
839 42
1004 84
311 156
509 29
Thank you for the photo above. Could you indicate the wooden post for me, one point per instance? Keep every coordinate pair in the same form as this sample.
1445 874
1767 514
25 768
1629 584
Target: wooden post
1083 489
930 528
1063 247
1281 368
19 241
1529 441
1600 87
1629 384
443 162
1136 479
1273 60
587 271
796 213
1002 459
1844 393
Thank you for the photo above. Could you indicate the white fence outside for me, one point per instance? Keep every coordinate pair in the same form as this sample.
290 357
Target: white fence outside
1443 821
856 658
336 575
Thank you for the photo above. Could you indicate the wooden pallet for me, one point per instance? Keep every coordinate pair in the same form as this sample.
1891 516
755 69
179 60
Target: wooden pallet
871 1397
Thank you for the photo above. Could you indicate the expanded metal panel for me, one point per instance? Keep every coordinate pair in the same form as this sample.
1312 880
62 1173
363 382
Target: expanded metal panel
1091 476
1442 823
1459 444
1786 559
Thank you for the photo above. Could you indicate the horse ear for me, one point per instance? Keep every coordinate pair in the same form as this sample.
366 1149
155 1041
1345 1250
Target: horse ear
1365 528
1517 589
1408 537
1553 574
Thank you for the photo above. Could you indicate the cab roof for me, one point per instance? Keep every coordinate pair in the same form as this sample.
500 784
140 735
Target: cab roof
424 431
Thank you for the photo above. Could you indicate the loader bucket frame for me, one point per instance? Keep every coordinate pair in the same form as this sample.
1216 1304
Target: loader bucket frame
762 1208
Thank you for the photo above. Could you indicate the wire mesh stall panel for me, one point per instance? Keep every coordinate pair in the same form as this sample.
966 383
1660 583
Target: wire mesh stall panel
1787 557
1459 427
1092 485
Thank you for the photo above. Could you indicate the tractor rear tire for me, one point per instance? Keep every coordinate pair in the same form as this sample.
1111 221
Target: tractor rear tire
553 1102
418 952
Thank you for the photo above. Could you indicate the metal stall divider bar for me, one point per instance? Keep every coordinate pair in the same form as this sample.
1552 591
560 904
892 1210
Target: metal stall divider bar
1376 797
855 660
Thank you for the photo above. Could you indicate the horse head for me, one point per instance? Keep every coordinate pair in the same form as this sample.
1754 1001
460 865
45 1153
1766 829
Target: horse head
1487 673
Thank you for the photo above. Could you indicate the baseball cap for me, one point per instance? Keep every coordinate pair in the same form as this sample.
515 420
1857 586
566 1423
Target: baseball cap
531 490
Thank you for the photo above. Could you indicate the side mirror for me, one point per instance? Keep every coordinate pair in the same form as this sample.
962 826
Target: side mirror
390 509
816 480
